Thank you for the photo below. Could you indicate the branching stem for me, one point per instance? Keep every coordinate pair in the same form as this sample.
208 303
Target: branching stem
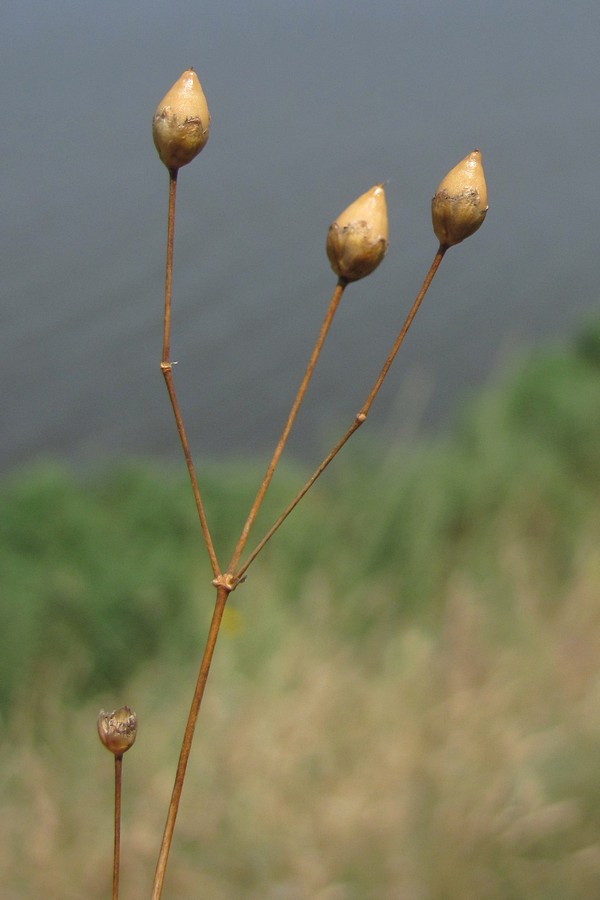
226 583
360 416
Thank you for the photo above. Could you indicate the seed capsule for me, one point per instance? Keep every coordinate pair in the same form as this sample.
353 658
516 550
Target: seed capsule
358 239
181 122
117 730
459 205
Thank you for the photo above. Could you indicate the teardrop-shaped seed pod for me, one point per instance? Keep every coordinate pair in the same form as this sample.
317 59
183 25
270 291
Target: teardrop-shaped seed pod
459 205
181 122
358 239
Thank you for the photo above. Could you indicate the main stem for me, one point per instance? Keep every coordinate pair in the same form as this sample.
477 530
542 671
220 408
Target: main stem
166 368
331 310
161 866
360 417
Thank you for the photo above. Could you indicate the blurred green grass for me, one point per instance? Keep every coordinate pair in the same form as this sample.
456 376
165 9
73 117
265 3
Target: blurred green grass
405 701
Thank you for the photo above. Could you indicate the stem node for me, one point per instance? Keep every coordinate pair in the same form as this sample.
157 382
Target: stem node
228 581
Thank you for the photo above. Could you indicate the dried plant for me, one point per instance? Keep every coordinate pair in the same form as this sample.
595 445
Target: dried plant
357 242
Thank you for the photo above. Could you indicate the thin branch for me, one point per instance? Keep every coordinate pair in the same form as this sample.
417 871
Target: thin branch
360 416
331 310
402 333
223 589
166 352
166 368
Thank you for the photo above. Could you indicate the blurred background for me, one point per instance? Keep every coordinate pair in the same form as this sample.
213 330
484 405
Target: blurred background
404 700
311 104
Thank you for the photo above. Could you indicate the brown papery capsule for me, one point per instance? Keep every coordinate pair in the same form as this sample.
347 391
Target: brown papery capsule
459 205
358 239
117 730
181 122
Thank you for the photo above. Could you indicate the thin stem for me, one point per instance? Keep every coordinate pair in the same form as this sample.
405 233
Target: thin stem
360 416
331 310
117 845
402 333
321 468
166 368
169 265
223 589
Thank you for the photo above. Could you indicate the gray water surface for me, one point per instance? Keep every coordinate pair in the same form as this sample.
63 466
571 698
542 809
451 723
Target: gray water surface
311 103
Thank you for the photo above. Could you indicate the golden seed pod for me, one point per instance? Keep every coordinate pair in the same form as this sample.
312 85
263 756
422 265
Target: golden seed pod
181 122
460 203
358 239
117 730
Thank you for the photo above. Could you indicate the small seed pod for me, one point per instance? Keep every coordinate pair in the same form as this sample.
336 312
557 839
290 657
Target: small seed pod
181 122
460 203
117 730
358 239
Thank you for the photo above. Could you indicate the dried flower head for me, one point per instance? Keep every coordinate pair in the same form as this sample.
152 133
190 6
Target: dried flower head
459 205
117 730
181 122
358 239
